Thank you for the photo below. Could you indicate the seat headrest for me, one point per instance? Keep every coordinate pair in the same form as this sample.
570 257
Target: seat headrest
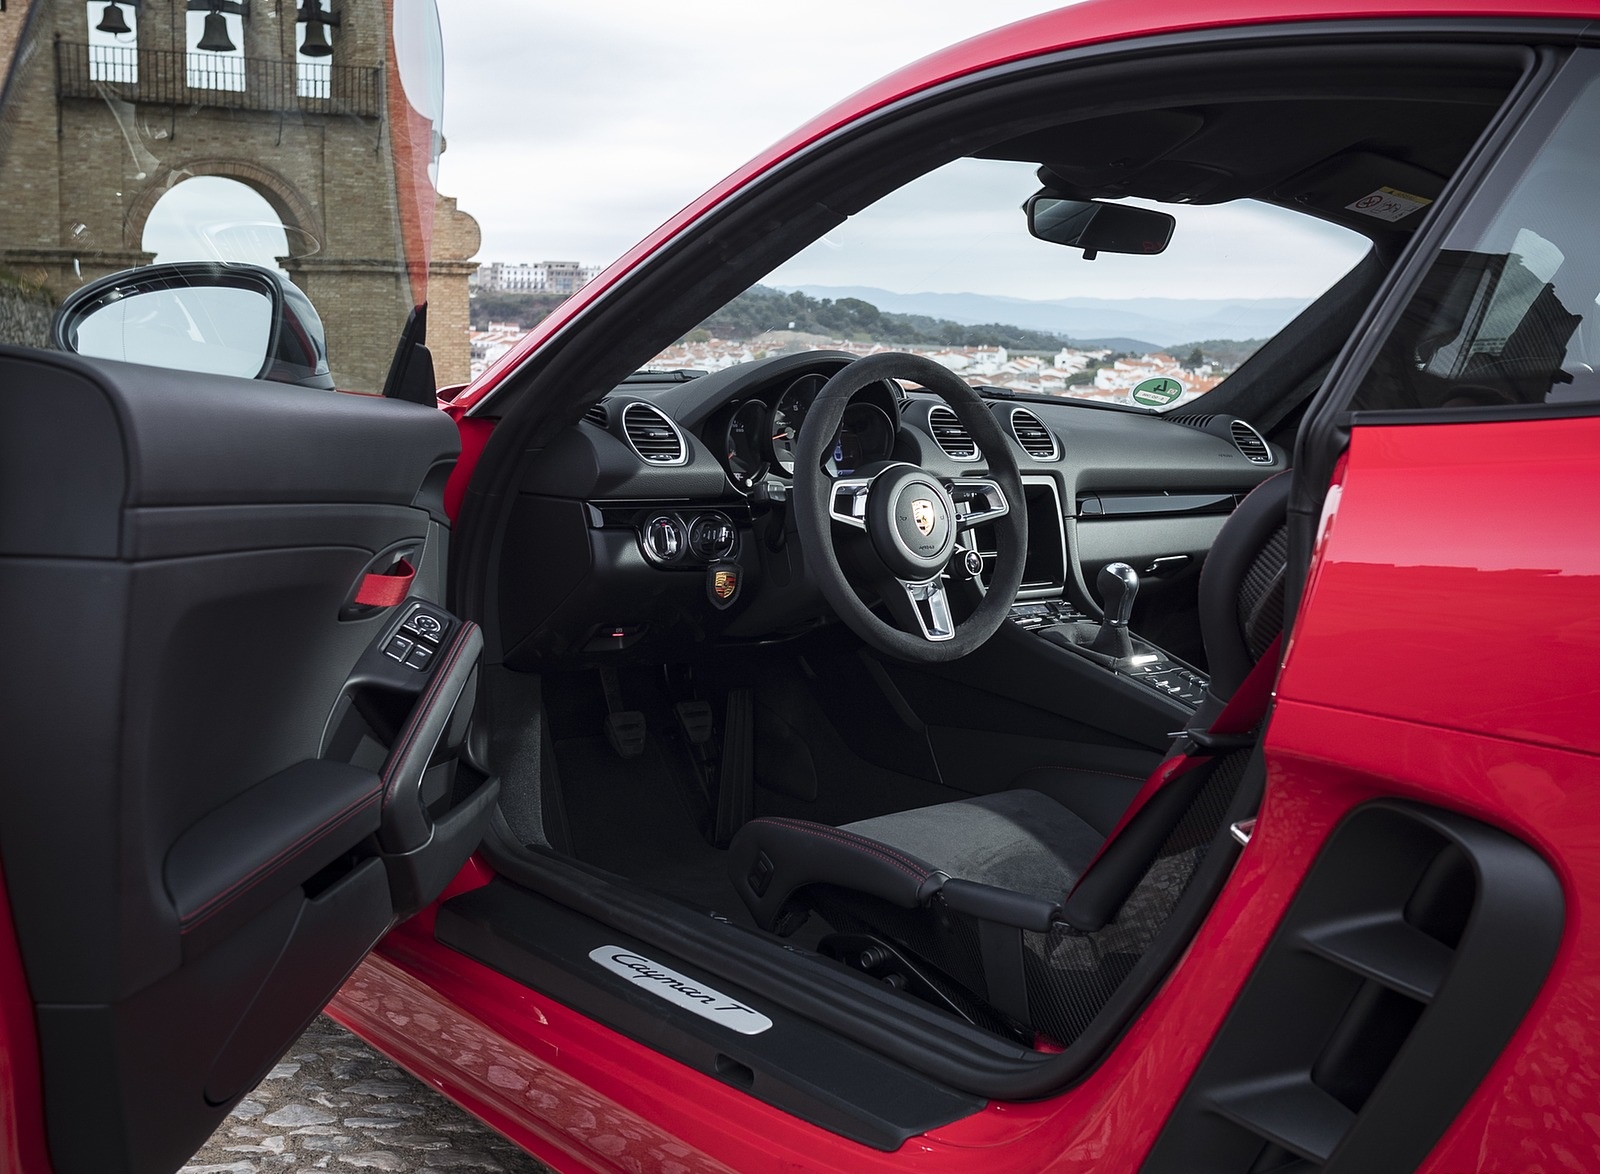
1241 584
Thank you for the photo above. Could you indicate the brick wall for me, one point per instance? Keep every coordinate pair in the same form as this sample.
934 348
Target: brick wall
81 175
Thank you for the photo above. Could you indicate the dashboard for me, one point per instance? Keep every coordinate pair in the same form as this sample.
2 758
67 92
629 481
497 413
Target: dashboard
661 518
757 439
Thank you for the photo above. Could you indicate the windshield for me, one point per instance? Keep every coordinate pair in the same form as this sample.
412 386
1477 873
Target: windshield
944 266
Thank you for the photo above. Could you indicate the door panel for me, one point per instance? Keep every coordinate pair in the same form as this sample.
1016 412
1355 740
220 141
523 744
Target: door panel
190 877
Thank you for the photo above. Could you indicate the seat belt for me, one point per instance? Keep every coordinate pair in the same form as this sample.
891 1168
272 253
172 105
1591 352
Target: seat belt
1095 898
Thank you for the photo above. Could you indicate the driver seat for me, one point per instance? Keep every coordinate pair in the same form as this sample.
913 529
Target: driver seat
1019 913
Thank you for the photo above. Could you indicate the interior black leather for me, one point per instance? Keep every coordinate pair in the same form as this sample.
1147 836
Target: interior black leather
1242 577
1022 842
189 881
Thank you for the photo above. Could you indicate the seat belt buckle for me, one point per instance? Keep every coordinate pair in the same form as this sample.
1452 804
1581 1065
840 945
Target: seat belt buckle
1200 743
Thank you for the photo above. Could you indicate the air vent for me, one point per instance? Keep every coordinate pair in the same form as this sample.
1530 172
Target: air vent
1036 440
1408 958
597 415
1192 421
1248 441
950 434
654 437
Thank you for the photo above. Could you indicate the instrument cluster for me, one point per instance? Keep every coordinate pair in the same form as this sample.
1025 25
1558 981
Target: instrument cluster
758 439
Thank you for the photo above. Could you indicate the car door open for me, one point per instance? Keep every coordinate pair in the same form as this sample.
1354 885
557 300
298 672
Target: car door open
237 712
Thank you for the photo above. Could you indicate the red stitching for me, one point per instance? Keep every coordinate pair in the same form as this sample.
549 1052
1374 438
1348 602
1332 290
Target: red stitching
419 715
420 712
851 840
221 900
863 841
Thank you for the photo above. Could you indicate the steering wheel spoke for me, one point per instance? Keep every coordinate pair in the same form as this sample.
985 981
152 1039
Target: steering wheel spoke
894 528
922 608
978 500
847 501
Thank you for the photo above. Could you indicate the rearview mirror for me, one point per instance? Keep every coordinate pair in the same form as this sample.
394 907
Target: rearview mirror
1097 227
218 318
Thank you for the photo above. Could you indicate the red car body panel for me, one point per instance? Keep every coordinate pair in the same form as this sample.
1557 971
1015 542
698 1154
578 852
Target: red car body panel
1362 713
1443 653
1408 674
1089 23
22 1144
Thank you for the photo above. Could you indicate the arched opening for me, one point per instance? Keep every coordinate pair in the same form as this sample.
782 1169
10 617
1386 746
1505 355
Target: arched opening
212 218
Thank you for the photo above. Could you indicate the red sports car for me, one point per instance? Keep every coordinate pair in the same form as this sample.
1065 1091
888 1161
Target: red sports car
754 726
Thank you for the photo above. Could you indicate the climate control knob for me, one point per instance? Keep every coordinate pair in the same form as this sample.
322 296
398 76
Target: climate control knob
663 538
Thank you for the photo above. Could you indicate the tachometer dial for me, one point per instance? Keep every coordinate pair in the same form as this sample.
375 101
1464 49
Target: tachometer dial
743 446
865 435
789 415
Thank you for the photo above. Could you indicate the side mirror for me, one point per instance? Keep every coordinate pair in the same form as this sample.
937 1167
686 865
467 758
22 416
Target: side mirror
1097 227
215 317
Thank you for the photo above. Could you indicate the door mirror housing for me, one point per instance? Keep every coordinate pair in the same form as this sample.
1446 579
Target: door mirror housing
1096 226
215 317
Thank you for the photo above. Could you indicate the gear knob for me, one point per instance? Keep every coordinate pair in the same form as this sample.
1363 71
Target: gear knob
1118 584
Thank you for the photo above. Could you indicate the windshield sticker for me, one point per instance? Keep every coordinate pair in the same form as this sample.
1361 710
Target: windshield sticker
1389 204
681 990
1156 393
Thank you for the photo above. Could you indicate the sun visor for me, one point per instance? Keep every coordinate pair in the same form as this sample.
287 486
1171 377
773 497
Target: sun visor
1103 151
1365 191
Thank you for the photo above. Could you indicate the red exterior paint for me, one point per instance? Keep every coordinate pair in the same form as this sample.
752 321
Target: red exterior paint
22 1145
411 145
475 432
1331 747
1445 651
1489 545
510 1054
1089 23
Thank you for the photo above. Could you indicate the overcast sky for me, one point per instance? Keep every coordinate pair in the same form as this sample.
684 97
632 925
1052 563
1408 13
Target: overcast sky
573 131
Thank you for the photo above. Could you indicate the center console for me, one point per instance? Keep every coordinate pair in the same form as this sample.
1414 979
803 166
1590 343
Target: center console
1147 664
1041 609
1065 626
1109 643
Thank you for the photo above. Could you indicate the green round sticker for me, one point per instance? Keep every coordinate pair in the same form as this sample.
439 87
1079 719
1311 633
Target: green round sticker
1157 393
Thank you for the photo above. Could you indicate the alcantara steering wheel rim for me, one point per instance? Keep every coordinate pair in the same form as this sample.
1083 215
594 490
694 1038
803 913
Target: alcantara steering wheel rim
907 520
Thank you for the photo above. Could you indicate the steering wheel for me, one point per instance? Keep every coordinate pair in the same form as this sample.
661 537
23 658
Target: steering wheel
900 526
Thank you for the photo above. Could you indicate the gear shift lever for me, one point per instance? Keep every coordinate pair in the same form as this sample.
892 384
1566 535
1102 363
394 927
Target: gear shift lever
1118 584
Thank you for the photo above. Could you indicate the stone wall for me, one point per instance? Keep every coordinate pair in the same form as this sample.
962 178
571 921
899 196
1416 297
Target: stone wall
82 173
456 238
25 313
10 29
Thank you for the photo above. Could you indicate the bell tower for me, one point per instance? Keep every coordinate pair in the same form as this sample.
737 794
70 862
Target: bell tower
115 105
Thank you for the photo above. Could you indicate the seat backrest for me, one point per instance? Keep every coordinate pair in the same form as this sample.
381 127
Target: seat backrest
1241 617
1241 585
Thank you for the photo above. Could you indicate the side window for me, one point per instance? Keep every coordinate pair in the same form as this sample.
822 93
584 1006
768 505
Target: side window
1509 313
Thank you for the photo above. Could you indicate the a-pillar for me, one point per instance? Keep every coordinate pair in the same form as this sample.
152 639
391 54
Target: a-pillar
363 305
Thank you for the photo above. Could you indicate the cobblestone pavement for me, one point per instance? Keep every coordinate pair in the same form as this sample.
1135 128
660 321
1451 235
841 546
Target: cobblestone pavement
334 1104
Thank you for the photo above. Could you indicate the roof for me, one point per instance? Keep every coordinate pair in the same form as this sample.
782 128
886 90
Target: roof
1089 23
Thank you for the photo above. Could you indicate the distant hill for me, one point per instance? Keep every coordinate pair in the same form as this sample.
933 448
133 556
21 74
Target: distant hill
1134 324
762 309
765 310
524 307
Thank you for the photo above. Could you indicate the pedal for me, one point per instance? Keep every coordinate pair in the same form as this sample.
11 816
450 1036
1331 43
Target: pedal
626 731
696 721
